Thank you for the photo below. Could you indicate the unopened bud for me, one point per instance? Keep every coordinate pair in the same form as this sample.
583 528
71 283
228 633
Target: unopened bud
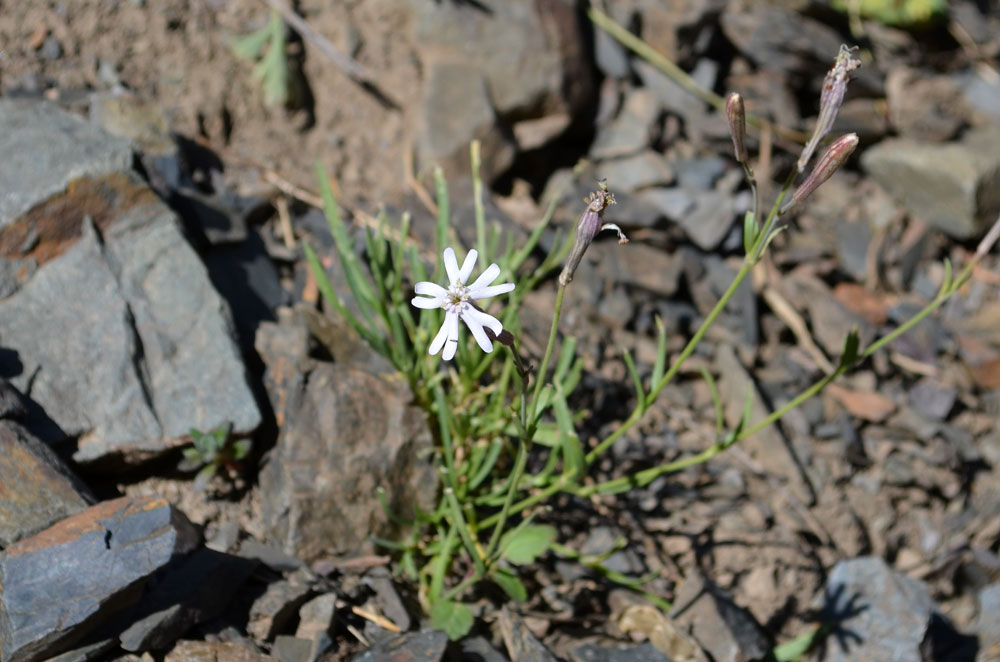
591 222
737 117
832 159
832 97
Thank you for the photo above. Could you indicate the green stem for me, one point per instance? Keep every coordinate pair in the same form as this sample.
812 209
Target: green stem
558 486
647 476
458 520
540 376
501 520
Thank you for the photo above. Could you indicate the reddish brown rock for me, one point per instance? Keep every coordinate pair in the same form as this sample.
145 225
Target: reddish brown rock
36 488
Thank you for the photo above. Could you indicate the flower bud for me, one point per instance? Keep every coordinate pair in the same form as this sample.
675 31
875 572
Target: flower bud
590 223
832 97
832 159
737 118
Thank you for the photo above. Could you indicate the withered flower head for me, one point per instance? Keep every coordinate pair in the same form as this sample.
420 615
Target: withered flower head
832 97
590 223
737 118
829 163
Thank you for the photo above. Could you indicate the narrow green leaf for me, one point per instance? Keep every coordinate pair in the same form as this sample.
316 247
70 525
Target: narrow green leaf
572 450
713 389
440 563
792 651
477 201
205 475
946 281
661 355
544 400
751 230
492 455
852 342
525 544
510 584
636 381
353 273
566 354
444 215
454 618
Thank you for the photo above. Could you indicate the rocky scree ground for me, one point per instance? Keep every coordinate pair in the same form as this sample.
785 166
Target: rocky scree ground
149 287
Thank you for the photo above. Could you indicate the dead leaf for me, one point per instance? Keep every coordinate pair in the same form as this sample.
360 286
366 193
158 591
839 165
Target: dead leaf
866 405
661 632
862 302
987 374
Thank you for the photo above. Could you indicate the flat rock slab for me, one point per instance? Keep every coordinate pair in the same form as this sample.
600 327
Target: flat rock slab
119 335
953 186
423 646
45 148
36 488
62 583
725 630
214 651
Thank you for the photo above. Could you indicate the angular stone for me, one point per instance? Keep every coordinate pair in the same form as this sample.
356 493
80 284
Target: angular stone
455 110
880 615
642 170
725 630
521 644
214 651
315 621
954 187
36 488
423 646
119 280
197 591
349 428
631 130
62 583
45 148
273 610
535 61
646 652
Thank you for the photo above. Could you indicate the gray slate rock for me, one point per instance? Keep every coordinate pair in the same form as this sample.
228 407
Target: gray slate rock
315 621
214 651
521 644
140 299
646 652
879 615
645 169
197 591
348 428
276 607
954 187
45 148
630 131
988 624
62 583
36 488
725 630
423 646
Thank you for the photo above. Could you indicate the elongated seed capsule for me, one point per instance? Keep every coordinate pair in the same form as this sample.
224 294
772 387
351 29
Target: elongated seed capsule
737 118
830 100
832 159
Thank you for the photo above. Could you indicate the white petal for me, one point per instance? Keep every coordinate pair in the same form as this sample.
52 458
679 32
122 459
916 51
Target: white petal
483 319
451 346
425 303
439 339
451 265
476 327
468 265
486 277
430 289
491 291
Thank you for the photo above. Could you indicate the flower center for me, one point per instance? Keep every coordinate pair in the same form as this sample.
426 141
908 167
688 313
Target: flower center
458 294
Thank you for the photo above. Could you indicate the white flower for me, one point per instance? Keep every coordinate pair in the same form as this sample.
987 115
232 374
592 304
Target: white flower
457 303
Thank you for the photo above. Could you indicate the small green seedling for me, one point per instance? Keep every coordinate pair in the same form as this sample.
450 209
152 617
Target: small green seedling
267 48
211 452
